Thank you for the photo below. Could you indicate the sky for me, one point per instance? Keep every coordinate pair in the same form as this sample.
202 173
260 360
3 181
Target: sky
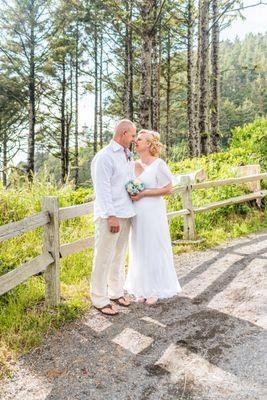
254 22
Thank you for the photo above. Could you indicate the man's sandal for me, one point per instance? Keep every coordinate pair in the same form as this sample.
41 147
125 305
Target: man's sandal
108 306
117 301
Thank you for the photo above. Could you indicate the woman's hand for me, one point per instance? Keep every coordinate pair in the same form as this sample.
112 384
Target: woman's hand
138 196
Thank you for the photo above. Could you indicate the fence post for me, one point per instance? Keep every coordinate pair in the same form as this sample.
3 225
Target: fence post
51 244
189 220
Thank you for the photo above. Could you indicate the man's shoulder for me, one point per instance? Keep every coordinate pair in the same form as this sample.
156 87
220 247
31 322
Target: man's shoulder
104 153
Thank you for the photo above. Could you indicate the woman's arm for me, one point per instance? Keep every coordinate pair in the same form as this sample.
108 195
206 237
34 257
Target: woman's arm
153 192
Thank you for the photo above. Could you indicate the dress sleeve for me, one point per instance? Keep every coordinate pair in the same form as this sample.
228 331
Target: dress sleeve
164 175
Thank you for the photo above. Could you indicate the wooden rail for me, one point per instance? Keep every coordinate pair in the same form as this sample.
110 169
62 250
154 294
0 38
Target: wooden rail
51 216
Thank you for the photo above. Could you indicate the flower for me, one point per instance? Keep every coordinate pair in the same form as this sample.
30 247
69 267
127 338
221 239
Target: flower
130 155
134 187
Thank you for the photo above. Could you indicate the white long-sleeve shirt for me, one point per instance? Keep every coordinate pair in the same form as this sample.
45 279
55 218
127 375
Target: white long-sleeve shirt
110 171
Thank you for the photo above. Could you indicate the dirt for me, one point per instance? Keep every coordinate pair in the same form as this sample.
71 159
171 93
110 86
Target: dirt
207 343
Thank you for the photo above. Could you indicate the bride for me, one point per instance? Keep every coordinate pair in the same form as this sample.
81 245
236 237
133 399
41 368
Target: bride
151 274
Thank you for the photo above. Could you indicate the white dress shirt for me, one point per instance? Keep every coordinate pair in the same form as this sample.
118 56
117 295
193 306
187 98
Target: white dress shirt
110 171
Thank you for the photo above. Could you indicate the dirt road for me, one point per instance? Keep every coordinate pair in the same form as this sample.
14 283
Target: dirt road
208 343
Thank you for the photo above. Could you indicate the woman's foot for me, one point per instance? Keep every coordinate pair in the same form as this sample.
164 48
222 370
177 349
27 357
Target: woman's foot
140 299
151 300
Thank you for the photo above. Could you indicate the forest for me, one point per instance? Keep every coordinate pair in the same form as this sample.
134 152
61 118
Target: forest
158 62
69 70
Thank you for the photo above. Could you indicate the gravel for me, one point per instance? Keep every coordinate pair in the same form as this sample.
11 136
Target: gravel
205 344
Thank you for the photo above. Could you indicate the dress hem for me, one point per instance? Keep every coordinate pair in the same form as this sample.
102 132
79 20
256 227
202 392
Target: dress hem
154 294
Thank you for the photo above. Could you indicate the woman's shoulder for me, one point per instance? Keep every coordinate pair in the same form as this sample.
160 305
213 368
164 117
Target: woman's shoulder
161 162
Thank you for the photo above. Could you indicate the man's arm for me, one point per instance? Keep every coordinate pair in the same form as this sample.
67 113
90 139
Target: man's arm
101 173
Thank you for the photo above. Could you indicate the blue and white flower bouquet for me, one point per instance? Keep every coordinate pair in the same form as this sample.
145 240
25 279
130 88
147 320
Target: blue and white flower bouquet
134 186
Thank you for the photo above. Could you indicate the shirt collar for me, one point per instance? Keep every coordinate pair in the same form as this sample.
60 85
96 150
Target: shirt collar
115 145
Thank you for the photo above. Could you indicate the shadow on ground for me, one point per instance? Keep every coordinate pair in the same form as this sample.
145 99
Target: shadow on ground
186 350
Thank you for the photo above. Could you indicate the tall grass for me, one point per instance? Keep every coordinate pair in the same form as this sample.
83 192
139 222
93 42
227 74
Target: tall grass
24 319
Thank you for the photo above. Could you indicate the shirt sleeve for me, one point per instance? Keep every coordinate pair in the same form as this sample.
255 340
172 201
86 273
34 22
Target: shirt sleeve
164 175
102 169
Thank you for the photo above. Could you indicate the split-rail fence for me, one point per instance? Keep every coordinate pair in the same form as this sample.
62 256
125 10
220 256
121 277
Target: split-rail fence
51 216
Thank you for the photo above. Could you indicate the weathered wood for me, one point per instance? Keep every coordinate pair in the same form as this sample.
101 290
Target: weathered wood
75 211
252 169
51 245
182 241
189 219
25 271
14 229
229 181
178 189
233 200
75 247
174 214
195 176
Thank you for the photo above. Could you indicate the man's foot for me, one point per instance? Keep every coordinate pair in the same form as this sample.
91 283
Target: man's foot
151 300
122 301
107 310
140 299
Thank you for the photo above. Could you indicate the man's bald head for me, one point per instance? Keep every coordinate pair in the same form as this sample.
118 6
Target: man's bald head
123 125
125 132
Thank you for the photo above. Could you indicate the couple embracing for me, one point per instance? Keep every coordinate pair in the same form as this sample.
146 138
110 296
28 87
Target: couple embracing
142 218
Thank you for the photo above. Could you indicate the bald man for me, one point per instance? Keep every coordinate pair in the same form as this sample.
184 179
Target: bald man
113 210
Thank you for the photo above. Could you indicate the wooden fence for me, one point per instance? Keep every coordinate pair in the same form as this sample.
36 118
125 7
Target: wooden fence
51 216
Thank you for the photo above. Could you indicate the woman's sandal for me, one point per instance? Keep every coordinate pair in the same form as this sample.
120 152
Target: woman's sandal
151 300
117 301
108 306
141 299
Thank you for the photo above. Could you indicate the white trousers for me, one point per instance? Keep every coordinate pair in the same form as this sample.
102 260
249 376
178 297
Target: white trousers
108 274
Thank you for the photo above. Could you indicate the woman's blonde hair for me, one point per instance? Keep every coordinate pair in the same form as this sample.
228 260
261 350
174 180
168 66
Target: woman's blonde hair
153 138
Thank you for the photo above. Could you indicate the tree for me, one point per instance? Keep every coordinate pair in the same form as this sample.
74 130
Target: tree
25 24
12 103
215 135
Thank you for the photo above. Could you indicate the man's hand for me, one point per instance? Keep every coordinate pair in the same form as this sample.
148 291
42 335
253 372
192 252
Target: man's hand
113 223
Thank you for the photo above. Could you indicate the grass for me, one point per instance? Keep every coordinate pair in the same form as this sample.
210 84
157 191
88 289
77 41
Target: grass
24 318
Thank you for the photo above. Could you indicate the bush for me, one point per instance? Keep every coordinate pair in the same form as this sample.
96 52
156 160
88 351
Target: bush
248 146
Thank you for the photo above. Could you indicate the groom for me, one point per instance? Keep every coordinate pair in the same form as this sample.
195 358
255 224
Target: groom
113 210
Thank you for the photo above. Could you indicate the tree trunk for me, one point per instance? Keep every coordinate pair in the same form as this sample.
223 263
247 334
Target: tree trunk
215 135
63 124
76 137
190 82
145 85
32 111
168 93
4 173
69 121
155 72
96 89
100 92
204 67
159 67
128 70
197 150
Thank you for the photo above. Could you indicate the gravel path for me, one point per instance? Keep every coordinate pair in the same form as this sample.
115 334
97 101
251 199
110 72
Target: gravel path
207 343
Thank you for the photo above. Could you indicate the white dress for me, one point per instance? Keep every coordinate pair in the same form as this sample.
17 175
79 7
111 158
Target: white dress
151 270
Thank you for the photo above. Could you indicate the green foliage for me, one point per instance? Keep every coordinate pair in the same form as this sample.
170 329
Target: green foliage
248 146
24 319
252 137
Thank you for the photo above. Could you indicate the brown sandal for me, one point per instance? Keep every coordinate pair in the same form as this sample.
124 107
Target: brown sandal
106 313
117 301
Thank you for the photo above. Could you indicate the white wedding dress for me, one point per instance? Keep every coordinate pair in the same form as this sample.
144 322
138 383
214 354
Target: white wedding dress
151 270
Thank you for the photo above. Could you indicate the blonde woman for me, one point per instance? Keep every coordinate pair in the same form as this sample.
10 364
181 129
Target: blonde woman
151 274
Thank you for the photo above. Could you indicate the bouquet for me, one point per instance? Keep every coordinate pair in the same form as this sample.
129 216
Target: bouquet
134 187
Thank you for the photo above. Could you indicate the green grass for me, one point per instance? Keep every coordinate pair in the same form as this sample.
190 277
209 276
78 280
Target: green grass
24 318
